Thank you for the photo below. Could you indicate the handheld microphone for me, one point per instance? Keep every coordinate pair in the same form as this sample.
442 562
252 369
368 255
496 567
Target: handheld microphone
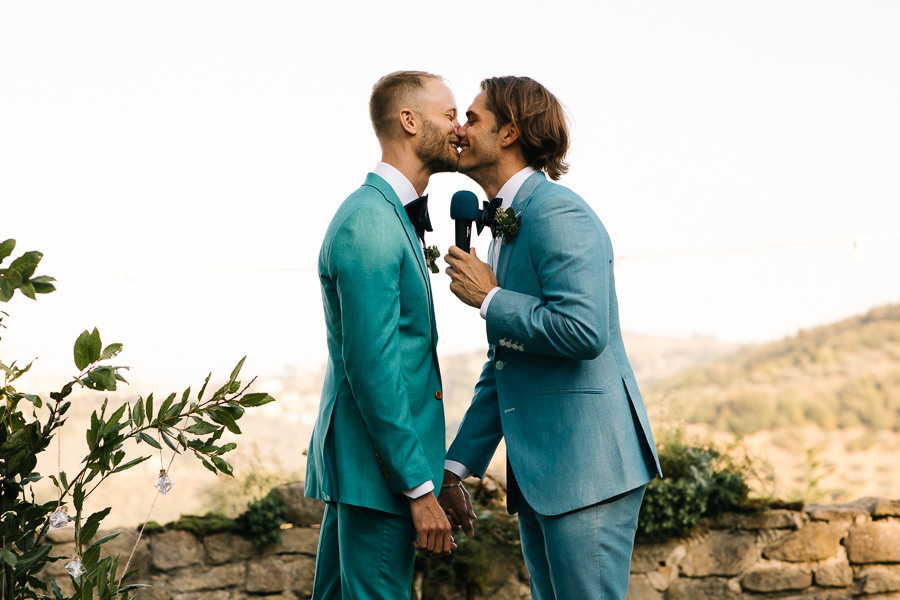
464 210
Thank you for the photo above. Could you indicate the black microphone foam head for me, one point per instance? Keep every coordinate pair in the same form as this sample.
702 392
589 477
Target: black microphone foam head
464 206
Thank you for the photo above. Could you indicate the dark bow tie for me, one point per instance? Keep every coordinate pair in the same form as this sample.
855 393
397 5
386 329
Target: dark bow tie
417 211
488 216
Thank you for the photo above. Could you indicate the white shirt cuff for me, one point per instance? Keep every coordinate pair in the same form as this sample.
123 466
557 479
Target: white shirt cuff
419 490
459 469
487 301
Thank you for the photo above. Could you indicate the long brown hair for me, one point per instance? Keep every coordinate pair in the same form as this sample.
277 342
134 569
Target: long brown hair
391 93
538 117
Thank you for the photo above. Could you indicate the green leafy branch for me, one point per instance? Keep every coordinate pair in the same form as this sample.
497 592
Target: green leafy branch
18 276
182 424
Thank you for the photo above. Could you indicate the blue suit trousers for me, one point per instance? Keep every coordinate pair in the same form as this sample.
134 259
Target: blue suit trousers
583 554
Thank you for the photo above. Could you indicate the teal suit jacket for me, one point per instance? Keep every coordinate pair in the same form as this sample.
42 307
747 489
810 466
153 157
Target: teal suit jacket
557 384
380 428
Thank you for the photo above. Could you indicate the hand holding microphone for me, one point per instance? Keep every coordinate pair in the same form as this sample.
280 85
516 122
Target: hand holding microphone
470 278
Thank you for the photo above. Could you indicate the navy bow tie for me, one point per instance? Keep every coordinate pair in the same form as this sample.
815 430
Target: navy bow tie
417 211
488 216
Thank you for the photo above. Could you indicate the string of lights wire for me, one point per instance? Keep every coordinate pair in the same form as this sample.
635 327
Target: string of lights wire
855 243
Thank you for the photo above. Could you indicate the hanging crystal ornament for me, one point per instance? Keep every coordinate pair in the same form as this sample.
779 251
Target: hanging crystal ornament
75 568
59 518
164 483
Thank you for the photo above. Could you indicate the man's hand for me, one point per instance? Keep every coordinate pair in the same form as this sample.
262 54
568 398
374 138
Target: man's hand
470 279
432 525
457 504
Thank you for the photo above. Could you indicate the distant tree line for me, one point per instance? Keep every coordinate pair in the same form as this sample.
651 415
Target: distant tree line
841 375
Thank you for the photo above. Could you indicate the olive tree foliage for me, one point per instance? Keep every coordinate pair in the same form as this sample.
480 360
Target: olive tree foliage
185 424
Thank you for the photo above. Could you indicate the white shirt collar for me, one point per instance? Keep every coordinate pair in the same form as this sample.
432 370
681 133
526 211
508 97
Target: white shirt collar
398 182
509 190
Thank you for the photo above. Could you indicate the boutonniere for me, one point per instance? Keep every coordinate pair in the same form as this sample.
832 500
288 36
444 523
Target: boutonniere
431 255
508 223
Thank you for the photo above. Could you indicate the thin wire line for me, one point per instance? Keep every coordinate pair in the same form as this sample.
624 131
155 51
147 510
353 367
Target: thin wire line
150 512
854 241
127 272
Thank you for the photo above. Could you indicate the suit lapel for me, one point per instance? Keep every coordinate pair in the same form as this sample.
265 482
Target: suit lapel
521 202
388 192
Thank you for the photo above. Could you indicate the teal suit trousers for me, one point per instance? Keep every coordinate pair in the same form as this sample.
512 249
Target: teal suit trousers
363 554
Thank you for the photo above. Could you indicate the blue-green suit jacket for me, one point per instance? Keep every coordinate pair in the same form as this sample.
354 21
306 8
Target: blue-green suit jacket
557 384
380 428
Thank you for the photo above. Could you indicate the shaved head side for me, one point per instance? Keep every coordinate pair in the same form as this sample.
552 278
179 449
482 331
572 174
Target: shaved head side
397 90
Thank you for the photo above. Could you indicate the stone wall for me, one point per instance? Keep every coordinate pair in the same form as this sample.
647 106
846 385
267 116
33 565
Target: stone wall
183 566
820 553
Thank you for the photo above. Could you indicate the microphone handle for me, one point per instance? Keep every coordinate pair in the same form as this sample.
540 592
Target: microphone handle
463 234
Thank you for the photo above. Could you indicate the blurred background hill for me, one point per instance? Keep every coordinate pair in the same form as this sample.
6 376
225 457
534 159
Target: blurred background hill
818 412
837 376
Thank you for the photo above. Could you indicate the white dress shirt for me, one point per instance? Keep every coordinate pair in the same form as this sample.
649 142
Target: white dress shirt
507 194
401 186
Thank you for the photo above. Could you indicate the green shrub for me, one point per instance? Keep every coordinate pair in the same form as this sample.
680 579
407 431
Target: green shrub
263 520
699 481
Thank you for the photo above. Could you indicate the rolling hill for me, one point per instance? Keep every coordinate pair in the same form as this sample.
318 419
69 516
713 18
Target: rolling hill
837 376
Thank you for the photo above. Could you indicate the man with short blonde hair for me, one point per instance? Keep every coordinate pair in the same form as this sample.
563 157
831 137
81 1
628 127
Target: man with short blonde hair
377 449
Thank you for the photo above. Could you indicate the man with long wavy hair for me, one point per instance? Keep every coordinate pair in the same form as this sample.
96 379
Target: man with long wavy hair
557 385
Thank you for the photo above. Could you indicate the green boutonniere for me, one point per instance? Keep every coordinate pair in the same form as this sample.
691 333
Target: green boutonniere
508 223
431 255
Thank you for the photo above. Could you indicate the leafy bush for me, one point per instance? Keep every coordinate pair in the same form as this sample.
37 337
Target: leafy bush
263 520
700 481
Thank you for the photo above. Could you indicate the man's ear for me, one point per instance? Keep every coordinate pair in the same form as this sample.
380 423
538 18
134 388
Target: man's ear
409 121
508 135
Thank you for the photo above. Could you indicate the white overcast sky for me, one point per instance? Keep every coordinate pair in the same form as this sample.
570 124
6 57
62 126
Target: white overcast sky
178 162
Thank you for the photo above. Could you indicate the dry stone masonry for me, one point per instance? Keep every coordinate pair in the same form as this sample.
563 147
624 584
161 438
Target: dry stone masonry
820 553
838 552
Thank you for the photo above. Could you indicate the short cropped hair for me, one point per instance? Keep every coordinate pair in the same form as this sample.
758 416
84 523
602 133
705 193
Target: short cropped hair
538 117
391 93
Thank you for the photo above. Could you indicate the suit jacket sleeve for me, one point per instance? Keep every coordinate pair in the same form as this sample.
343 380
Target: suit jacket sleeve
567 314
367 256
480 430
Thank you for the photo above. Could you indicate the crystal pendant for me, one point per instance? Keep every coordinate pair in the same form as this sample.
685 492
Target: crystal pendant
59 518
164 483
75 568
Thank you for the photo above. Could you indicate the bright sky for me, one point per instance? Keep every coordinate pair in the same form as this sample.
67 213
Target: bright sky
178 162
